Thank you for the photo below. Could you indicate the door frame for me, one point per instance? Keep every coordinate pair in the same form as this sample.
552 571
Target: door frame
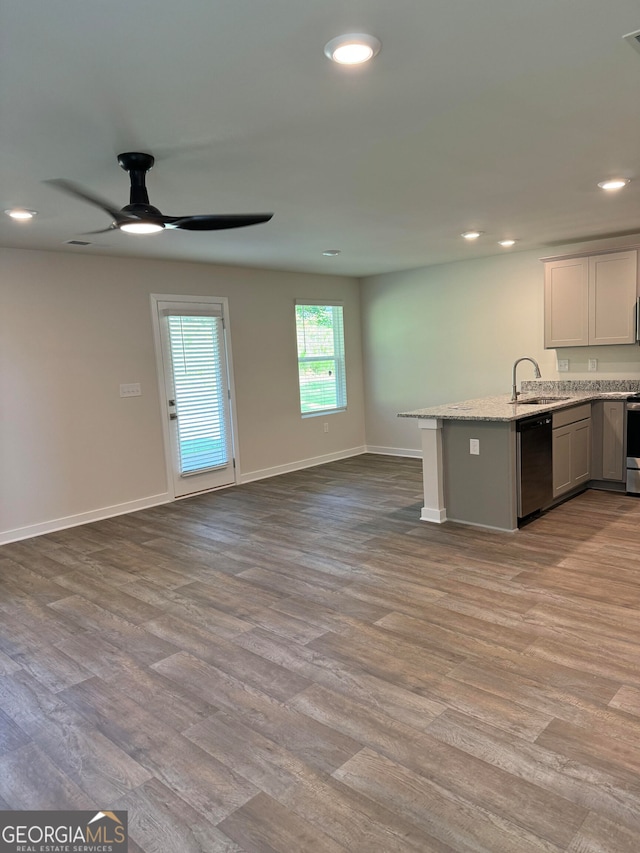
184 301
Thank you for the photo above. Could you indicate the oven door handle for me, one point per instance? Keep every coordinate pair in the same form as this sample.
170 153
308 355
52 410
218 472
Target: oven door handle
633 407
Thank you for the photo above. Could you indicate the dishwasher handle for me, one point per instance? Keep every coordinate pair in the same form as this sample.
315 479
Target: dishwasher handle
533 423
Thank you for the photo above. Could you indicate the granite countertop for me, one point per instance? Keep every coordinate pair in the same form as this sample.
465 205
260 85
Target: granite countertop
500 409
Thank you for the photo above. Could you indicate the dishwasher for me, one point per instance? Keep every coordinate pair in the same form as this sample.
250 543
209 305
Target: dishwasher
534 465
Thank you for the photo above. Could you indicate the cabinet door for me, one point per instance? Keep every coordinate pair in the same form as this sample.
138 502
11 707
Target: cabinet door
613 463
580 452
613 285
562 460
571 456
566 303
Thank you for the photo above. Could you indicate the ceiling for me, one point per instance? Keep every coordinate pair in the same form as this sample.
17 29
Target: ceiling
496 115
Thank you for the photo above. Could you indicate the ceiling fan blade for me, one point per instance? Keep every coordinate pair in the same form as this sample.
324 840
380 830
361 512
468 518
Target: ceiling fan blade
143 218
77 191
215 222
112 227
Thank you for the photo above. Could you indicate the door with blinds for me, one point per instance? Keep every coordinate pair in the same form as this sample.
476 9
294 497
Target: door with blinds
197 390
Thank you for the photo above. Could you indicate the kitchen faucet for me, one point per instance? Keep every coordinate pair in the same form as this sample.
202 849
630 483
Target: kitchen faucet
514 392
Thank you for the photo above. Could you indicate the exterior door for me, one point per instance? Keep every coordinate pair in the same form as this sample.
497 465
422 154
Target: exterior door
197 394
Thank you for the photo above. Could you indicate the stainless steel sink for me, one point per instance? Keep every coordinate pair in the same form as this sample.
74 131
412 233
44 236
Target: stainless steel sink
541 401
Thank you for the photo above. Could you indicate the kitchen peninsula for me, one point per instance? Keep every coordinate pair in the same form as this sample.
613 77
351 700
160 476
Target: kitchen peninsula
469 449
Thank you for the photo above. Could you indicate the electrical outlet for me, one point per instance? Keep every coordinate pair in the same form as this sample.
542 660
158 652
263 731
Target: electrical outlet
131 389
474 446
563 365
592 365
325 426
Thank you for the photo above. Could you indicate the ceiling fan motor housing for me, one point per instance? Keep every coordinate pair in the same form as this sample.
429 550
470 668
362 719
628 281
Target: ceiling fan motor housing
137 165
135 161
141 210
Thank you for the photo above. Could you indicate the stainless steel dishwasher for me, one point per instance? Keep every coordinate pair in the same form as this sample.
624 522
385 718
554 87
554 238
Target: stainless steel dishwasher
535 465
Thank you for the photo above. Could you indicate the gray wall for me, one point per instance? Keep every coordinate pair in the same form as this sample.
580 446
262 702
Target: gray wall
73 327
480 489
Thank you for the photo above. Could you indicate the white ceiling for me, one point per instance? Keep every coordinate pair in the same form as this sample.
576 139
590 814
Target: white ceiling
500 115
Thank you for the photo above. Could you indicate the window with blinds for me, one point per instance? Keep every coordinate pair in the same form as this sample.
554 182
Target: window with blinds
197 354
321 366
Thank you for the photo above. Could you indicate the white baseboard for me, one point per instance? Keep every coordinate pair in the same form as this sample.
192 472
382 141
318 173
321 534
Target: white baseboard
435 516
81 518
484 526
394 451
31 530
262 474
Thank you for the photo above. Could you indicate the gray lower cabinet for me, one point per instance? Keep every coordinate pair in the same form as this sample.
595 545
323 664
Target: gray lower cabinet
608 462
571 449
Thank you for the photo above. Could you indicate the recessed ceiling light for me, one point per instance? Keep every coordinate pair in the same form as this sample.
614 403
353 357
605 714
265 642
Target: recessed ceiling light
472 235
613 184
331 253
20 214
352 48
141 227
506 244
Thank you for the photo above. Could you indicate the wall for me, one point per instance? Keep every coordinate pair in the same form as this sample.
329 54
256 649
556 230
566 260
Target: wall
452 332
73 327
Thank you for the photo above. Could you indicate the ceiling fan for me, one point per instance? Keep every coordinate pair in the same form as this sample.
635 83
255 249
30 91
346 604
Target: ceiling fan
140 217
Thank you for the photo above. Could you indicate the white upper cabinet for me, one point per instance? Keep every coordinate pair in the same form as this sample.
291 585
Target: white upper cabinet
591 301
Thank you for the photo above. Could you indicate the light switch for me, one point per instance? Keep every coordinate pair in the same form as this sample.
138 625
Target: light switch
474 446
131 389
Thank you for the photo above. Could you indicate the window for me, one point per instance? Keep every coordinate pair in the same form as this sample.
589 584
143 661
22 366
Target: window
321 370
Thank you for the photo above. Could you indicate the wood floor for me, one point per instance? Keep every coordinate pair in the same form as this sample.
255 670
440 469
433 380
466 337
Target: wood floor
300 664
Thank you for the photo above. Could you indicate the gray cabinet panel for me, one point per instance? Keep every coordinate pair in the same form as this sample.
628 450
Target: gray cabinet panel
613 459
561 460
608 441
581 453
571 449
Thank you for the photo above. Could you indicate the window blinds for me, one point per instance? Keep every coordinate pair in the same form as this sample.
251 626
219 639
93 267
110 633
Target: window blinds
199 385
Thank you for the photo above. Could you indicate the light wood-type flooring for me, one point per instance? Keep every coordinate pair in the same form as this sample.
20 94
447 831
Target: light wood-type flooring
300 665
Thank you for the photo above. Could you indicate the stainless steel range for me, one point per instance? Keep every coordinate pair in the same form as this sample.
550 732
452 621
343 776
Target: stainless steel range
633 444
